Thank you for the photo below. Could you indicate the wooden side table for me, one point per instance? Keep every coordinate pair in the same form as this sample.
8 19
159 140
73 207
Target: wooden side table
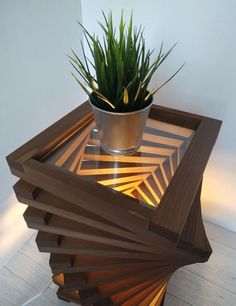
117 227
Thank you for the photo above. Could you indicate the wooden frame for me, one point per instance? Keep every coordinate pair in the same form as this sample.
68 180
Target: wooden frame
77 216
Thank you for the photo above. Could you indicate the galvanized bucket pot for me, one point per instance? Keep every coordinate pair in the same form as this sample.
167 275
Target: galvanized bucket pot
120 133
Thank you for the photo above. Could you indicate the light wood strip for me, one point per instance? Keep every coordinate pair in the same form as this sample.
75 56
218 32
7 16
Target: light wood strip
125 179
171 166
60 162
170 128
129 192
116 170
152 191
144 196
124 159
156 150
164 175
127 186
156 300
185 288
163 140
157 183
78 159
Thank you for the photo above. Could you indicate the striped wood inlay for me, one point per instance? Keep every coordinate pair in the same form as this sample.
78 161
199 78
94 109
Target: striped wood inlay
144 175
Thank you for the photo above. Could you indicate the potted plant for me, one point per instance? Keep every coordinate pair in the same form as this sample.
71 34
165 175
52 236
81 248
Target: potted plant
116 79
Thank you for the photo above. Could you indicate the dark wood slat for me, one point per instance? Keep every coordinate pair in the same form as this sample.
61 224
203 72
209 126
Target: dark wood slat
145 297
55 205
72 246
27 190
73 280
176 117
193 235
134 263
106 277
57 225
50 137
60 261
62 226
98 293
85 196
32 215
122 297
178 198
48 239
68 295
114 249
77 191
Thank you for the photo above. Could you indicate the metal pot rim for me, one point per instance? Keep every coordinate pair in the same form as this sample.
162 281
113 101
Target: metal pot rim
120 114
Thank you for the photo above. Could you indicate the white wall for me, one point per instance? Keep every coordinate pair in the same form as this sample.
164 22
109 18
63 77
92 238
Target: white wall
205 32
36 89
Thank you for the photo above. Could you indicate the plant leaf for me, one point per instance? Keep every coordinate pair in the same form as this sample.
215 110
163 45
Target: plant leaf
125 96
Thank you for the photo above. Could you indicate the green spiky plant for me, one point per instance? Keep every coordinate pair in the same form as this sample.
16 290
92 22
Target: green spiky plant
117 77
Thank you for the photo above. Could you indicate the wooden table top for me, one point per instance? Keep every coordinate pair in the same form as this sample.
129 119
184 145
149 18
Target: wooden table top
159 182
144 175
117 227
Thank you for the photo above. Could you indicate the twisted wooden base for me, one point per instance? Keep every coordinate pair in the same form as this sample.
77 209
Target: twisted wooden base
95 262
117 227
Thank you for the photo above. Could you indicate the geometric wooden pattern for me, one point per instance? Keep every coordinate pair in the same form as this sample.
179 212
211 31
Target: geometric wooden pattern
116 227
144 175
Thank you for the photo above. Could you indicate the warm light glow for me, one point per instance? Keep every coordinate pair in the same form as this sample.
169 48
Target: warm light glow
162 140
170 128
156 150
158 183
152 166
123 179
59 278
127 186
116 170
124 159
78 160
129 192
13 230
217 187
144 196
60 162
157 297
152 191
164 175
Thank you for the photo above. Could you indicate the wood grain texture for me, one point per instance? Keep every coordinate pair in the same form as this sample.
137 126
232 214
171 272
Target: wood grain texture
178 202
117 227
218 272
144 175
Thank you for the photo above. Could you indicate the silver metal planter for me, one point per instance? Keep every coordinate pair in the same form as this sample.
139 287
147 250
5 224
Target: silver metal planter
120 133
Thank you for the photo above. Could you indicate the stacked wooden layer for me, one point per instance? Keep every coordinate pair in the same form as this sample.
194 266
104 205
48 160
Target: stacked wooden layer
108 248
95 262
